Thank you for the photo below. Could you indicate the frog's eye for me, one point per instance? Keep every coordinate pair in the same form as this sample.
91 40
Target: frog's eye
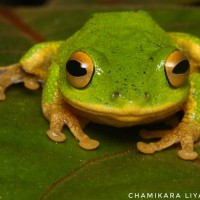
80 69
177 68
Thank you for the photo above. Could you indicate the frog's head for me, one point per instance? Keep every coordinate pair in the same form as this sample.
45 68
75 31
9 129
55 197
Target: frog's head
123 76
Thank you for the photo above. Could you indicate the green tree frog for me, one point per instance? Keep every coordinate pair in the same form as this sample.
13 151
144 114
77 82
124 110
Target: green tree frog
121 69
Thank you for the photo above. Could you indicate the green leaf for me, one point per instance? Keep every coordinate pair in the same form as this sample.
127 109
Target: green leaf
128 173
33 166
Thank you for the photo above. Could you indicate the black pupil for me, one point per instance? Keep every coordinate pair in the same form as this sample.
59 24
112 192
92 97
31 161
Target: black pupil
181 67
75 68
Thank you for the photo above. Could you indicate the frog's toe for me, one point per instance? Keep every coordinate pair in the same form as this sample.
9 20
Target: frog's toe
187 155
31 83
145 148
56 136
88 144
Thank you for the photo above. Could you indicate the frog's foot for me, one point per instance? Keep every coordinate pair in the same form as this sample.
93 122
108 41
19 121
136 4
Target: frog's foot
60 115
15 74
185 133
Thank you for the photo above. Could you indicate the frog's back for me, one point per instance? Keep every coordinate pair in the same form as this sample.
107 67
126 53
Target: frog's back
117 33
126 27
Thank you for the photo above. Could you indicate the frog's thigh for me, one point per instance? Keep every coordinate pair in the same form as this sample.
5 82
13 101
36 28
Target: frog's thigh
38 59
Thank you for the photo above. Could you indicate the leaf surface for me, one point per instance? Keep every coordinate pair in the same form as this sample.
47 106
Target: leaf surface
32 166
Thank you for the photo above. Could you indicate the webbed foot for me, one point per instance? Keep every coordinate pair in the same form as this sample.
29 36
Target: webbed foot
185 133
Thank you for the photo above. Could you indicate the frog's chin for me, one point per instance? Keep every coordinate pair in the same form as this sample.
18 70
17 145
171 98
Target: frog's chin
126 116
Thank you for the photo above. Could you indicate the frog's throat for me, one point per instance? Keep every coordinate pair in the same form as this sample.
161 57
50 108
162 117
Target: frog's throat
127 116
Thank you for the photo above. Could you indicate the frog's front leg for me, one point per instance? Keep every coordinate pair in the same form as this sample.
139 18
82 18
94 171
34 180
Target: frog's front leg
31 69
187 132
58 112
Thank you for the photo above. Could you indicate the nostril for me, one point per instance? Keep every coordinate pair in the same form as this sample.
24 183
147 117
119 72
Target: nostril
116 94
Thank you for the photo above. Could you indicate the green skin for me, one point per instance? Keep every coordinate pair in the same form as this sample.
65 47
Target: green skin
129 85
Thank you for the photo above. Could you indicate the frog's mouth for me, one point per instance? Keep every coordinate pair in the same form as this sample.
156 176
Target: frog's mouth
126 116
